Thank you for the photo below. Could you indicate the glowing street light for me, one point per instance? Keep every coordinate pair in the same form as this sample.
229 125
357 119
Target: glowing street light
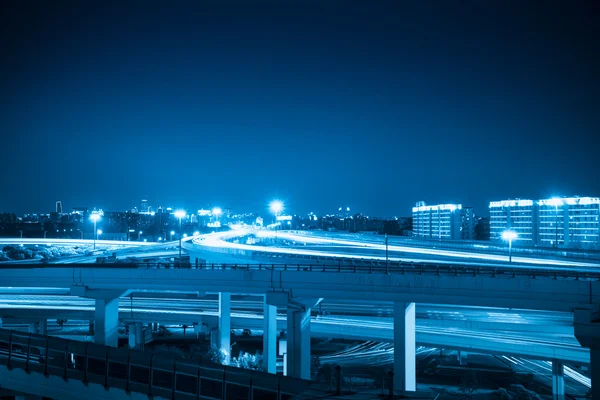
196 233
140 235
95 217
172 233
99 232
276 206
217 212
509 236
180 214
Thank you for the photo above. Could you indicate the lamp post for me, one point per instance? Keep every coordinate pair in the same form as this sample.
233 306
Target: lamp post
555 201
386 253
180 214
509 236
172 233
276 206
140 235
95 216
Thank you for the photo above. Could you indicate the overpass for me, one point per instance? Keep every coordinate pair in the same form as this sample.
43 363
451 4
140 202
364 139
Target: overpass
507 339
299 288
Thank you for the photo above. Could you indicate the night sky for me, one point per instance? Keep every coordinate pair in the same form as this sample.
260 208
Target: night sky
372 105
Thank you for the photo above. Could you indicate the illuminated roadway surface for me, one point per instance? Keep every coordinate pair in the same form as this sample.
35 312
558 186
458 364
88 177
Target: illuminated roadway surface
334 247
316 244
439 322
447 326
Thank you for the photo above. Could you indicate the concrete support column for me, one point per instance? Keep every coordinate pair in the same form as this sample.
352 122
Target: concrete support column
270 338
132 337
587 332
558 380
136 336
43 327
298 342
404 348
224 338
0 322
462 357
139 336
33 327
91 328
106 322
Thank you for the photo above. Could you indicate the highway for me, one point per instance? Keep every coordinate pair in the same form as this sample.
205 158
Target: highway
343 248
309 244
496 331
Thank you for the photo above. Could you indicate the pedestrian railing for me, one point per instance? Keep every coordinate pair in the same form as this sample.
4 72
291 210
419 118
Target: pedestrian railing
142 372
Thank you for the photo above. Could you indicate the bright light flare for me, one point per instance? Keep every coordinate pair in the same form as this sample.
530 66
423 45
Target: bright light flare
509 235
180 214
276 206
217 211
94 217
555 201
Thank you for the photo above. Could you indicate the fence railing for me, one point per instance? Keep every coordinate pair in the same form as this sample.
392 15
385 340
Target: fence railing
142 372
358 266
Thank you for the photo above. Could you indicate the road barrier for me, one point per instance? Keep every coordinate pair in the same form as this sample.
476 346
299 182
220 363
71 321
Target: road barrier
359 266
142 372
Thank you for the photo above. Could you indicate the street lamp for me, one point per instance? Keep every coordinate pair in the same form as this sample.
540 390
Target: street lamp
276 206
217 212
180 214
509 236
555 201
386 254
172 233
95 216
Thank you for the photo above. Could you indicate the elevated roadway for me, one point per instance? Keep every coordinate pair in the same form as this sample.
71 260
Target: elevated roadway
516 332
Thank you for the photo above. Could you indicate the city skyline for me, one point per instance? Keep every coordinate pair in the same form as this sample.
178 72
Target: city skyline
381 104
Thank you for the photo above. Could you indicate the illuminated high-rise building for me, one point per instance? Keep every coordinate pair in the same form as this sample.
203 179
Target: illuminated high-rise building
517 215
554 222
442 221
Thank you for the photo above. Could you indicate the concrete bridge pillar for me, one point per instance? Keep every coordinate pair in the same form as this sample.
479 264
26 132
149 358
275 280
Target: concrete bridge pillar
405 375
224 329
106 322
33 327
558 380
298 342
587 332
43 327
136 336
106 313
297 345
270 338
462 357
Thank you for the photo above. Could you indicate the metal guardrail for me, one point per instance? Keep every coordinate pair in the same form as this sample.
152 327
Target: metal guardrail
358 266
142 372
